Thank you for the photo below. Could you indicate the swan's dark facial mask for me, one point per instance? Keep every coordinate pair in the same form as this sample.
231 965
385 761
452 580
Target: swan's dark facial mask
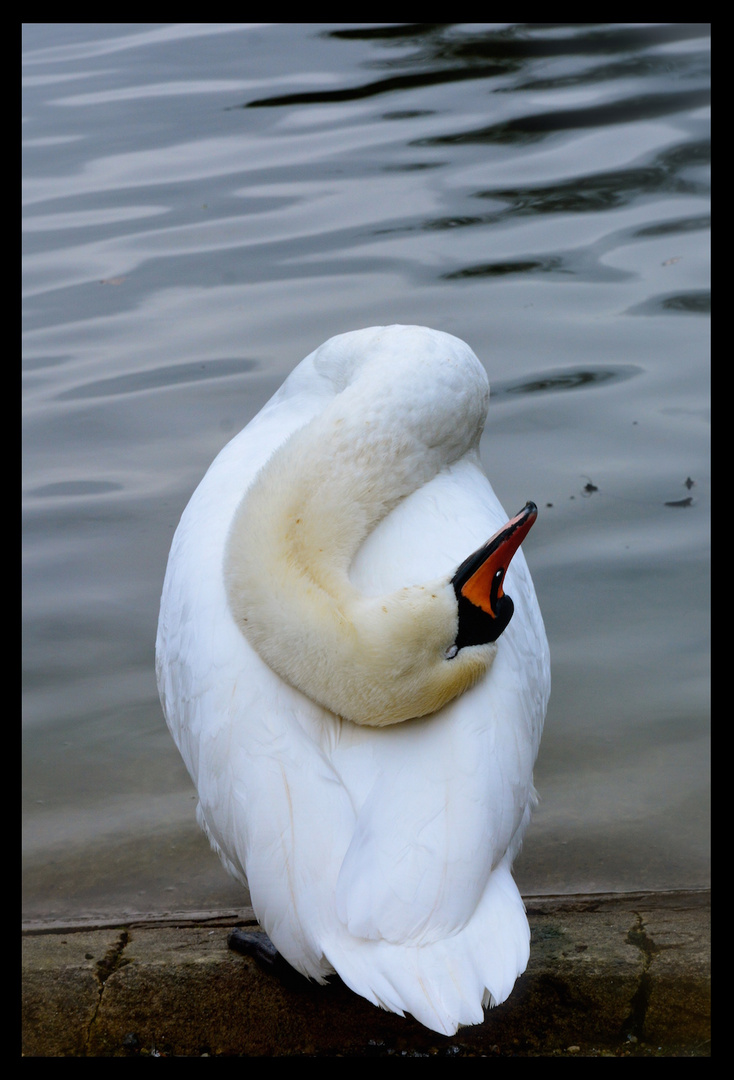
484 609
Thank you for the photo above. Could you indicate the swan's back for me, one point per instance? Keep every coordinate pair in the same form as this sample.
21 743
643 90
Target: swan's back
383 854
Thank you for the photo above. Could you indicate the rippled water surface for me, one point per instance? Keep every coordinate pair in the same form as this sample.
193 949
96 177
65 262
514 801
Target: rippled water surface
203 205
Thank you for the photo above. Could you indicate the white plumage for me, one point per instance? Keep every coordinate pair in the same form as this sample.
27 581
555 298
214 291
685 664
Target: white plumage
383 853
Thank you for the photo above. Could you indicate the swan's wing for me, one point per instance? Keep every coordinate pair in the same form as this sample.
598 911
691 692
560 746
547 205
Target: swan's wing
268 797
197 641
444 799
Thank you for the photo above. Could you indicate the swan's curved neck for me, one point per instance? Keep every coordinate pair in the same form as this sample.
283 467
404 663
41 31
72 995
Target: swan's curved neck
370 660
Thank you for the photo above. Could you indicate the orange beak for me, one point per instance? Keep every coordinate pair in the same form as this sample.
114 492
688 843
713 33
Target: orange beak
484 610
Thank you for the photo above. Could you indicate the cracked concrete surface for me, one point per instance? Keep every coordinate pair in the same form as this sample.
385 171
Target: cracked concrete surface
635 1022
112 961
613 974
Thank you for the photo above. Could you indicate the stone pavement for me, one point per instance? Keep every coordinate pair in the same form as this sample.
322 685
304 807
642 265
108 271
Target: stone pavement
609 974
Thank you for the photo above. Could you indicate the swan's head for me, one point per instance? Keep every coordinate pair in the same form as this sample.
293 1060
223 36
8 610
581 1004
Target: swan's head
422 646
381 660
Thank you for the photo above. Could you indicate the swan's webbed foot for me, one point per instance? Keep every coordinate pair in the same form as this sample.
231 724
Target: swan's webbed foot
255 944
258 945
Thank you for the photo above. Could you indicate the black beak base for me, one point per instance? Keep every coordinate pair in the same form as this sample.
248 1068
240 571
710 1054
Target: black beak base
484 610
477 627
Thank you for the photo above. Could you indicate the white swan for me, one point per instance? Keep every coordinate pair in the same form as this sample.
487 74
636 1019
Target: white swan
311 612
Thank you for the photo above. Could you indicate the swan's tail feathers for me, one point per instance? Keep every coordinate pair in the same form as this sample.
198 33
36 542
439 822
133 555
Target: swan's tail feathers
446 984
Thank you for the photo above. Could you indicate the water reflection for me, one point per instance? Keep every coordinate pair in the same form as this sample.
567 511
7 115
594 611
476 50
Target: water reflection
571 378
69 488
153 378
551 264
695 302
608 190
444 54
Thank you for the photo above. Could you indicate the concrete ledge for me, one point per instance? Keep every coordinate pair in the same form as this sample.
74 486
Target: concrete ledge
611 974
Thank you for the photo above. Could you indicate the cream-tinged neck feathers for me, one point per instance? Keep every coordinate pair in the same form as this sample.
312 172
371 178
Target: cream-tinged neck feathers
406 405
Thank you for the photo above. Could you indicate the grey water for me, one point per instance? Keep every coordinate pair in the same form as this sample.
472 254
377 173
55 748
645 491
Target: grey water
204 204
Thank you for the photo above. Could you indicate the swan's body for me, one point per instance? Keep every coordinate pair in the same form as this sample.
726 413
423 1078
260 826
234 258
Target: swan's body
307 611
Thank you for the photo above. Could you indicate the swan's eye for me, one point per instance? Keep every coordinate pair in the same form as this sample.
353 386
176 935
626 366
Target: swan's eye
451 652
